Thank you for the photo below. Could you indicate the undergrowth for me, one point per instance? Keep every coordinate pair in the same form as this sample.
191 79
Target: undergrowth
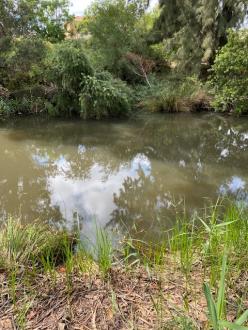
194 248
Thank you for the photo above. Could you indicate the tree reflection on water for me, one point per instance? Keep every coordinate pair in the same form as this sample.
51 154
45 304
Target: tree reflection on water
136 175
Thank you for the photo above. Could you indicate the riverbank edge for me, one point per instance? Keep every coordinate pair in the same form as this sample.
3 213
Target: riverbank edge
135 114
191 105
49 282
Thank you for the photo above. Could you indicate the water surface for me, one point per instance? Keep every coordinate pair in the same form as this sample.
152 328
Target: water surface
123 175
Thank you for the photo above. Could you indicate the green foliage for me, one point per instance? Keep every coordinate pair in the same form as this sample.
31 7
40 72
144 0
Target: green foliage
175 95
52 17
44 73
213 231
104 251
23 105
103 96
183 241
19 244
176 25
216 309
5 108
67 65
113 26
45 18
230 75
22 62
193 30
34 245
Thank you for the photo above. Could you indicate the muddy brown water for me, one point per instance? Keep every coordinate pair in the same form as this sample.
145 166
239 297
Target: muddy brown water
127 176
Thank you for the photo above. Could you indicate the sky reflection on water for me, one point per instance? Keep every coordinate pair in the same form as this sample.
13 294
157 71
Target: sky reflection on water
121 174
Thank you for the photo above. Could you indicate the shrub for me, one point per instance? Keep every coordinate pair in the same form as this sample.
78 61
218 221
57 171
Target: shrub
23 106
103 96
230 74
67 63
5 108
22 62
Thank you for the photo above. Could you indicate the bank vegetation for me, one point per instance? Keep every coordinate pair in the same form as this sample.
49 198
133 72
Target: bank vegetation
194 278
122 58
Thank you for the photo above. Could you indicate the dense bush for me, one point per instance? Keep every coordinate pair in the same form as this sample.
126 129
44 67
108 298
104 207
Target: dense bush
103 96
230 74
67 64
5 108
22 62
23 106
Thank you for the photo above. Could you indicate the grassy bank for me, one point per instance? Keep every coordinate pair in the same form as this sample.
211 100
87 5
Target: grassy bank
49 281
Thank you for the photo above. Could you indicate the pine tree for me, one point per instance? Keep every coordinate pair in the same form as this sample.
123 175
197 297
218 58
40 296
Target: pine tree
194 29
216 18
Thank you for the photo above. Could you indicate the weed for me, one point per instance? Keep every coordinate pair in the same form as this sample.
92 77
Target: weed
216 310
104 250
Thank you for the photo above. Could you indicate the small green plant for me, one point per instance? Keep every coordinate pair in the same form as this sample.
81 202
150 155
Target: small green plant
216 309
131 254
19 243
83 260
68 261
183 242
32 245
47 261
158 304
104 251
13 284
22 313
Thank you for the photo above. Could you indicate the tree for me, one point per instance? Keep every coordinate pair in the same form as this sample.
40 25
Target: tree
25 17
195 29
230 74
140 65
21 62
113 30
217 17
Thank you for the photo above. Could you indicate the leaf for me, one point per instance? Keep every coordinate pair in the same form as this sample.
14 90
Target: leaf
211 306
243 318
226 223
221 291
205 225
62 269
232 326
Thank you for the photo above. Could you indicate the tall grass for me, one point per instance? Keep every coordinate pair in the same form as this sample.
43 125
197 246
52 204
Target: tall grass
33 245
21 244
178 94
205 236
201 237
104 250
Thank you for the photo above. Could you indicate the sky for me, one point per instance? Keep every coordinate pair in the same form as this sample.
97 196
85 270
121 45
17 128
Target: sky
78 6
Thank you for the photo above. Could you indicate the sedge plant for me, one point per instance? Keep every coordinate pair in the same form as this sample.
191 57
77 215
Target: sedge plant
216 309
